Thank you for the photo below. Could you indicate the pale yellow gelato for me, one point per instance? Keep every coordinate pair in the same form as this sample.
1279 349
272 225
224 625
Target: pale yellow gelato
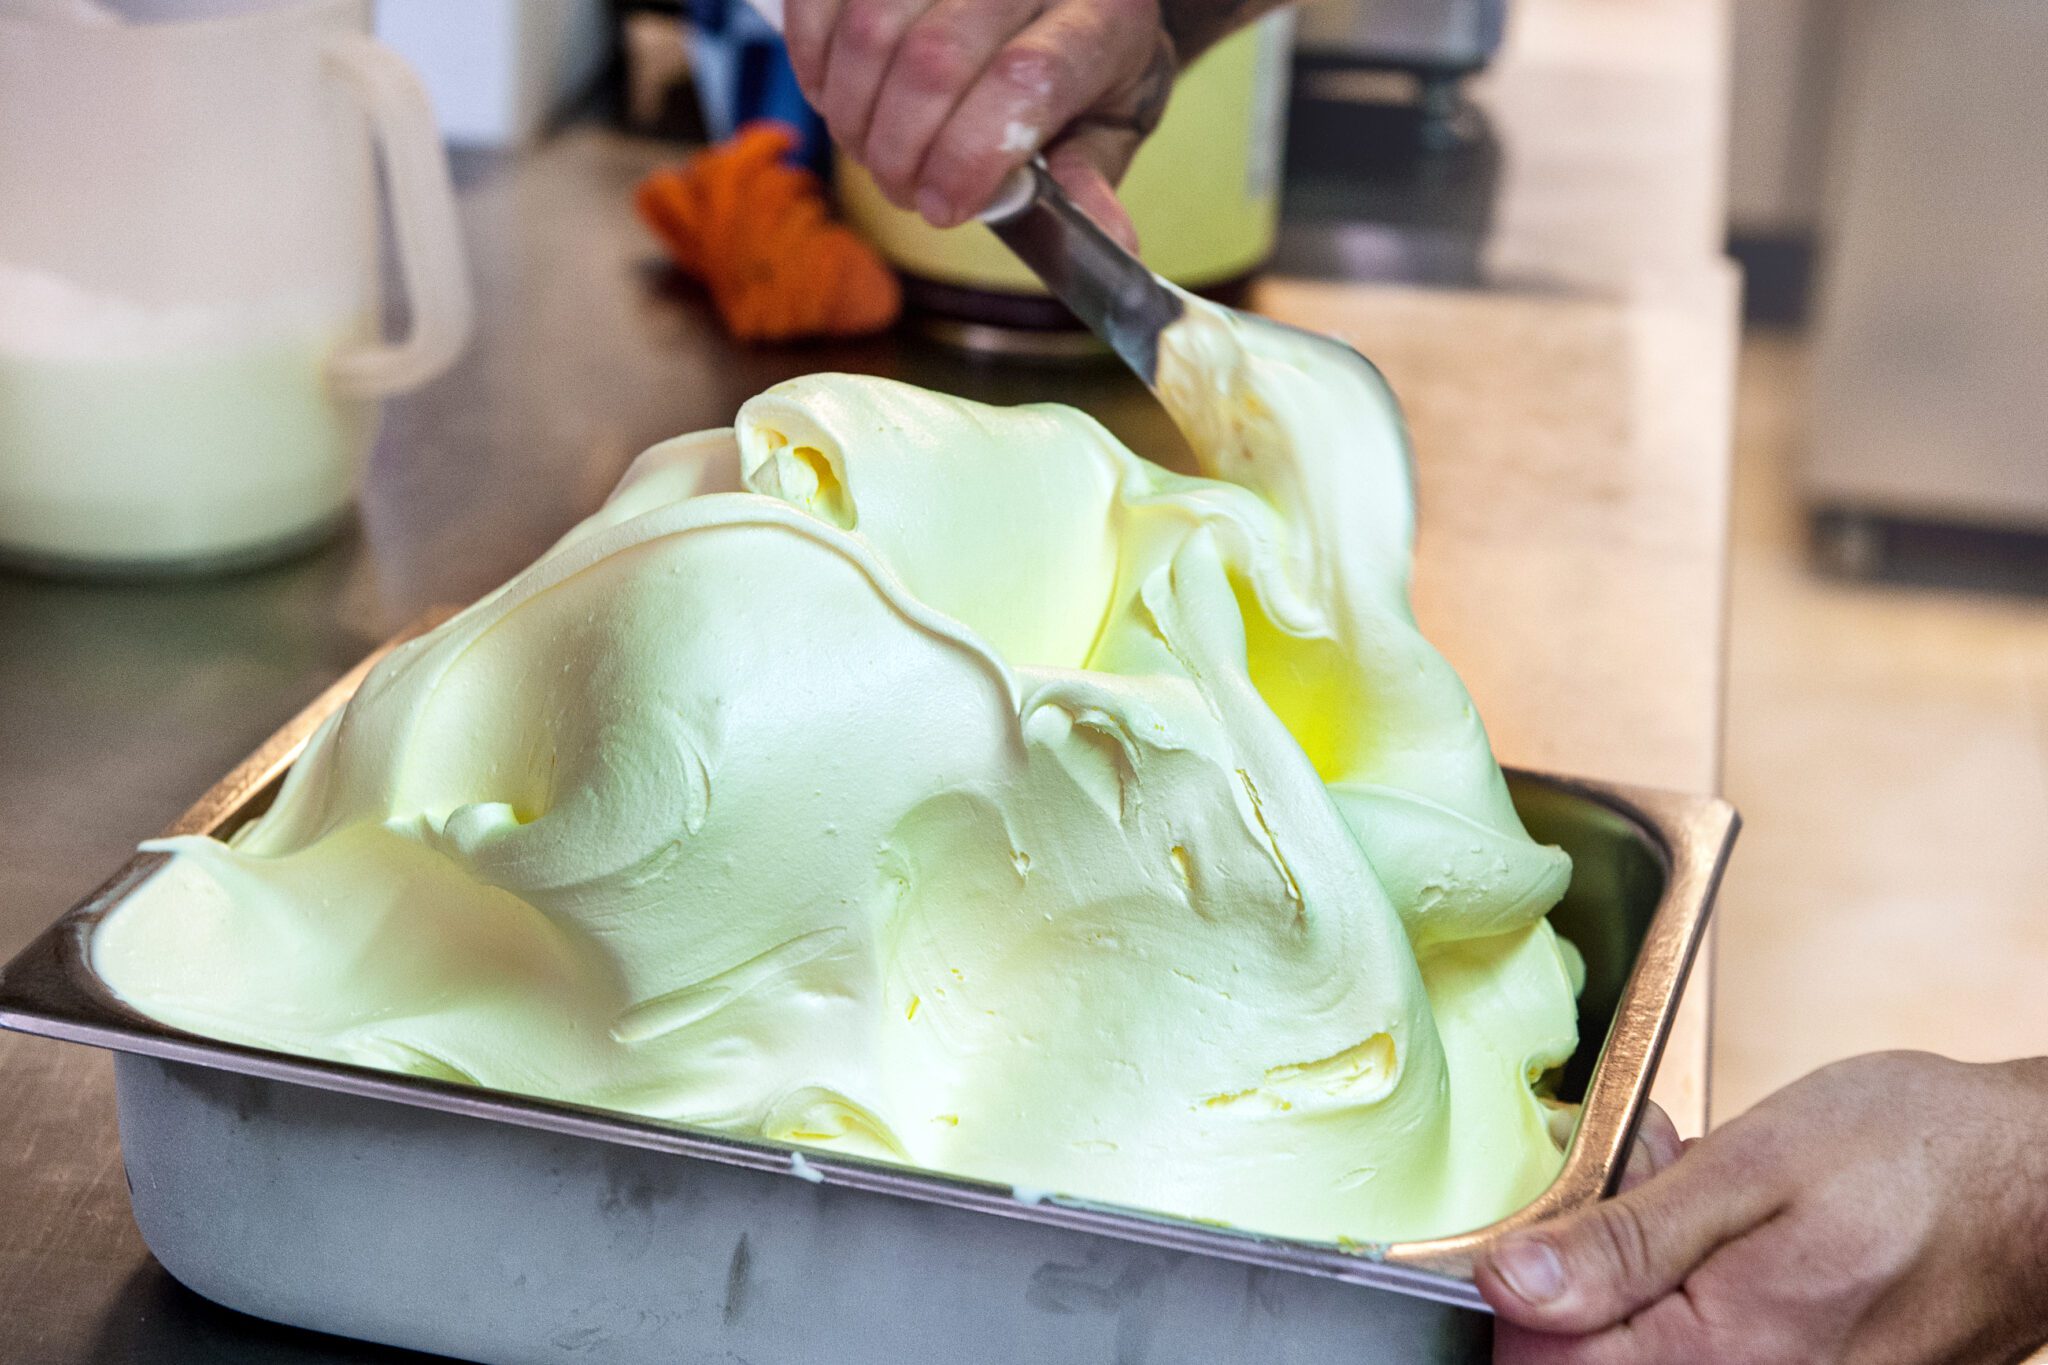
946 784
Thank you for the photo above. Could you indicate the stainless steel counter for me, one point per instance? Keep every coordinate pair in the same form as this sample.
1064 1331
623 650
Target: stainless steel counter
119 704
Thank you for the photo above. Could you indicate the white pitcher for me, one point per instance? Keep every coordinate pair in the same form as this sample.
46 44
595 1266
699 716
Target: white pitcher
191 348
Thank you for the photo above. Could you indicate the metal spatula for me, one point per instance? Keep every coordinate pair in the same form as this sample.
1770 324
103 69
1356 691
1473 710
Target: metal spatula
1110 290
1107 287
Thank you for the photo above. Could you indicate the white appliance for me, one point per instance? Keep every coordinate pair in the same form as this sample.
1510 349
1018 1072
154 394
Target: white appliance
1930 386
1429 37
498 70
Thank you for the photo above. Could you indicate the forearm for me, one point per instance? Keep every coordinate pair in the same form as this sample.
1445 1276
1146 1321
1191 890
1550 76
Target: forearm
1197 25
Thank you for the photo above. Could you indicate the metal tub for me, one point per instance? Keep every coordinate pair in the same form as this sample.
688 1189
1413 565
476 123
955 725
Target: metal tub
516 1231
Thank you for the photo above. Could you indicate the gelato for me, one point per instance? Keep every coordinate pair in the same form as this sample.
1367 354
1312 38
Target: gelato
944 784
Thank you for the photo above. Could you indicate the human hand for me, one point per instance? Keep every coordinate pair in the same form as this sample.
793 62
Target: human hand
1890 1208
940 99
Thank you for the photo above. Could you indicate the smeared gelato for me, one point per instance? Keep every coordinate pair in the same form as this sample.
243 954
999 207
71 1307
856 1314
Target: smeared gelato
946 784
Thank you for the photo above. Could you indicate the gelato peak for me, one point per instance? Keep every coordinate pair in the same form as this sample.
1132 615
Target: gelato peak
945 784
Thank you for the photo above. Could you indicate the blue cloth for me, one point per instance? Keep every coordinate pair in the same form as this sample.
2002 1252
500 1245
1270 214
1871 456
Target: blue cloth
743 73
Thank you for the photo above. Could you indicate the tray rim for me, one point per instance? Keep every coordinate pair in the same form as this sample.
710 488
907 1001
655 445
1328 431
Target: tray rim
48 989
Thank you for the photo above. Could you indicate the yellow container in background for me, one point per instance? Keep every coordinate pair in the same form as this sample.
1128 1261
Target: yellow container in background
1204 190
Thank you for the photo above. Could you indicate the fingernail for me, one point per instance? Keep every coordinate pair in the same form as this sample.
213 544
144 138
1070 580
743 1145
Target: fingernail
935 208
1531 1269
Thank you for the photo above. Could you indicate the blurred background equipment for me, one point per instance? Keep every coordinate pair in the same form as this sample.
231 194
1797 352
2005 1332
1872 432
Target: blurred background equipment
1887 731
1435 44
742 73
1392 171
498 70
1888 186
700 70
1434 38
1930 398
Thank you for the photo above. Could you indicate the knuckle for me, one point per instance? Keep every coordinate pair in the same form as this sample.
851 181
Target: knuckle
1753 1147
868 28
1034 71
933 60
1625 1237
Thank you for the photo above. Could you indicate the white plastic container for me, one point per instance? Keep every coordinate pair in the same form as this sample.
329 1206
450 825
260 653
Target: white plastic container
498 70
190 337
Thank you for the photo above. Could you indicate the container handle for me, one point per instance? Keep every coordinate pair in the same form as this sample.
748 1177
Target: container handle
431 264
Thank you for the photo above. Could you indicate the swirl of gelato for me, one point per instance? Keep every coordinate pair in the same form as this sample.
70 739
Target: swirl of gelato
944 784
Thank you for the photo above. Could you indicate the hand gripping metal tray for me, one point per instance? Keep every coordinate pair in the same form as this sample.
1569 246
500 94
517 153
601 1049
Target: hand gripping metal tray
499 1228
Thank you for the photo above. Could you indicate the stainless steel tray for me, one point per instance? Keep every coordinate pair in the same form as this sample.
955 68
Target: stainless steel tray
511 1230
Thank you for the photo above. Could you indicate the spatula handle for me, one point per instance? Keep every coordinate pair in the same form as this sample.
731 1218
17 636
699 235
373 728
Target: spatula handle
1107 287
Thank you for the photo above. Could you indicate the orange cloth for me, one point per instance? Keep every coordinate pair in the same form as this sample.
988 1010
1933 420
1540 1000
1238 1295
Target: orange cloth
757 232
